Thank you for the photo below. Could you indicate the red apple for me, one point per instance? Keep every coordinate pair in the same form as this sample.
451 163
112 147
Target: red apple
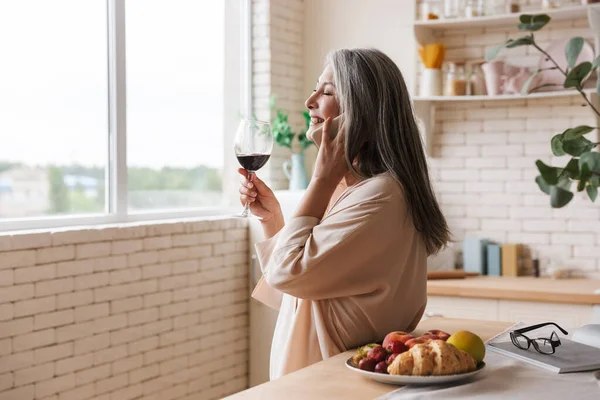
429 337
390 337
367 365
405 338
397 347
381 367
440 334
377 353
413 342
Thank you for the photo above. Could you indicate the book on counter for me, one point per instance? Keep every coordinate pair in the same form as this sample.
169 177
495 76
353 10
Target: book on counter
570 356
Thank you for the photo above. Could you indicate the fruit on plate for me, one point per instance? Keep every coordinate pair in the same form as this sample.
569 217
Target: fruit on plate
394 336
440 334
469 342
391 358
415 341
435 357
377 353
381 367
367 364
396 347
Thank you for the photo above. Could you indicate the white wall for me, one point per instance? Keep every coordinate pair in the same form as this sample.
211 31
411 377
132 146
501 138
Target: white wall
335 24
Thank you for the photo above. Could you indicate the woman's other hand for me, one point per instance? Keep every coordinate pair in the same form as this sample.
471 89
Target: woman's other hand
263 202
331 163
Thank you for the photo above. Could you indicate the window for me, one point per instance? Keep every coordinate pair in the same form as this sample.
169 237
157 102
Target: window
53 110
175 62
114 110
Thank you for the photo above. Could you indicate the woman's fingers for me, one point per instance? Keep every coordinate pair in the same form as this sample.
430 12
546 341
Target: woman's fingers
326 127
247 191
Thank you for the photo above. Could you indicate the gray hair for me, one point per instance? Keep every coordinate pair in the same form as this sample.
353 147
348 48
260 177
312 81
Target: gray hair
382 134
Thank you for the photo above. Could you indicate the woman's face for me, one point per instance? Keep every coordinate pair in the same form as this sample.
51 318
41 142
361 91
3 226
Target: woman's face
322 103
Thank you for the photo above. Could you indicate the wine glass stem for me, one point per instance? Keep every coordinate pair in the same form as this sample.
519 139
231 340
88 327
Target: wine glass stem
246 211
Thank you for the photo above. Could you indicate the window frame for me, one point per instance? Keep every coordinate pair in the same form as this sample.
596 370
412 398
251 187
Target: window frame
238 85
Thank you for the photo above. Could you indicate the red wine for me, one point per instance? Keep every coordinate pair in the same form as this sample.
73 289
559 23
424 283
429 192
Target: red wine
253 162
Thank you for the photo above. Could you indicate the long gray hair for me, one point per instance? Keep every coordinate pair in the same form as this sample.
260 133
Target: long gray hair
382 134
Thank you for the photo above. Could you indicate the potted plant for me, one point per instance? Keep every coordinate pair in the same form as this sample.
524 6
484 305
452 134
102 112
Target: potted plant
294 169
583 167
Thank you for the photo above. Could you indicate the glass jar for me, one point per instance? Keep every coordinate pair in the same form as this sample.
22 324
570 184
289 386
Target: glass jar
429 9
452 8
477 81
456 80
473 8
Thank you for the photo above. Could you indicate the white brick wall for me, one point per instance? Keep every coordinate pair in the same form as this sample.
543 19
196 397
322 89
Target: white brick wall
154 310
277 61
484 158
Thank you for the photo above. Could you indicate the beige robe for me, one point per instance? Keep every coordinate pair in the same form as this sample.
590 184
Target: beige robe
345 280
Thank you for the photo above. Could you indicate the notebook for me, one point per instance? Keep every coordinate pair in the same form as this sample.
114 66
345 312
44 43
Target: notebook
570 356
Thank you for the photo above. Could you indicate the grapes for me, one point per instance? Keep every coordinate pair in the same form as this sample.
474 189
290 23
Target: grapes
367 364
377 353
381 367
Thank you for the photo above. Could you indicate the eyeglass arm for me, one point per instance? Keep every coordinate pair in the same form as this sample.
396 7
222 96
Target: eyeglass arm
533 327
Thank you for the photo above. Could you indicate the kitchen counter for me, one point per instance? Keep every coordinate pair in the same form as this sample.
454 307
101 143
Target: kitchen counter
569 291
331 379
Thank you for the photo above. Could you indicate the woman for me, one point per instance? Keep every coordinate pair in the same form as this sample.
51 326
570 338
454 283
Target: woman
350 265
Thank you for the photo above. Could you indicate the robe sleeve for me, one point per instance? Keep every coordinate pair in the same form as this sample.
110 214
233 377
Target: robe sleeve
325 259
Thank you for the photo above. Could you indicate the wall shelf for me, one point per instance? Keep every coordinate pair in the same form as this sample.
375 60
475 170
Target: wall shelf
425 107
424 30
540 95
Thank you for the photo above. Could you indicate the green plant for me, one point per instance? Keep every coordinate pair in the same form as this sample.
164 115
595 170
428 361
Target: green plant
284 135
584 166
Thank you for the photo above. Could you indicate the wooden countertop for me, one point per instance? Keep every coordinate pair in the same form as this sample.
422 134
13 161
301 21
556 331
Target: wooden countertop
571 291
331 379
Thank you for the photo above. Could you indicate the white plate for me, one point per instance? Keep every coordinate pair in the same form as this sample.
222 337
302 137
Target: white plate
414 380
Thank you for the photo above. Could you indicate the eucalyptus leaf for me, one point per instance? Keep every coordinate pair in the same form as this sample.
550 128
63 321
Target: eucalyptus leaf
578 146
578 131
592 192
549 174
564 182
596 63
493 52
559 197
522 41
533 22
573 49
585 175
556 144
528 82
592 160
544 187
572 168
577 75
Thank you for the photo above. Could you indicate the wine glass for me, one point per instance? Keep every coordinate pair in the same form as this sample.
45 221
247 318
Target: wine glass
253 145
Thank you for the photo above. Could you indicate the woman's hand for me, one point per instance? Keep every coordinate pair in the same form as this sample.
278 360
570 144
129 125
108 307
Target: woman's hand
263 202
331 164
330 169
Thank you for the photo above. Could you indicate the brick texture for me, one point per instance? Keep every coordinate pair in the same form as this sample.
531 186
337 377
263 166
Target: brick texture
125 313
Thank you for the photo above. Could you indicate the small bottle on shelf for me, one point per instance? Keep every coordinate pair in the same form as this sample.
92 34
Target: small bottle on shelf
456 80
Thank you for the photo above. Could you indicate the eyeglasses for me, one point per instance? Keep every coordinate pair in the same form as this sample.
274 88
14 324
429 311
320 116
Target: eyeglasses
541 345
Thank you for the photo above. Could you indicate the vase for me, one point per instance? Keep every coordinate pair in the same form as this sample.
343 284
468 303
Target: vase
296 172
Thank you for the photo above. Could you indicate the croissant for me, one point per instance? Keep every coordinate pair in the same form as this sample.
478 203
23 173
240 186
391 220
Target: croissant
432 358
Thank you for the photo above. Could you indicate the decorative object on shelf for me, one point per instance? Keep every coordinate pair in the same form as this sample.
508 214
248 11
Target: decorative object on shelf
477 80
493 71
583 167
552 76
451 8
429 10
284 136
456 80
514 84
473 8
512 6
550 4
432 57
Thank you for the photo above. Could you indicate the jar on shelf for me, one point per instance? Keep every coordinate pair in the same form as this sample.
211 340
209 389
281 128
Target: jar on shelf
473 8
512 6
452 8
429 9
477 80
550 4
456 80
